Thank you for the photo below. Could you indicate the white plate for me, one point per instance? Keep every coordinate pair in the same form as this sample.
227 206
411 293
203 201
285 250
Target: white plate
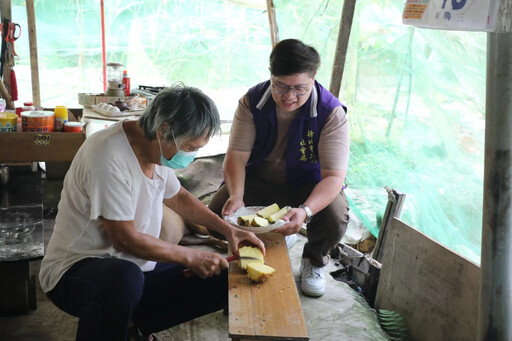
232 219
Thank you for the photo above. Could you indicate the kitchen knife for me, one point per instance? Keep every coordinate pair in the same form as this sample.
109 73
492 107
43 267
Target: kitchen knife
188 273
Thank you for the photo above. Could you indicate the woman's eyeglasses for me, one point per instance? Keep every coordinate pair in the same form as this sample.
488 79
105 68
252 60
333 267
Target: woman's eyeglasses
284 89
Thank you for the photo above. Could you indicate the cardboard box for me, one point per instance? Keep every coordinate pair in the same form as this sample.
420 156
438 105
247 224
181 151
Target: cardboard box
89 99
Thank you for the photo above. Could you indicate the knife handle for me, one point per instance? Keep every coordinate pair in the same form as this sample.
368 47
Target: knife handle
187 273
232 257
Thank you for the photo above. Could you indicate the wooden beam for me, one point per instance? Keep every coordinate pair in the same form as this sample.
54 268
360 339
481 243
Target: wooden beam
274 30
5 9
347 16
34 65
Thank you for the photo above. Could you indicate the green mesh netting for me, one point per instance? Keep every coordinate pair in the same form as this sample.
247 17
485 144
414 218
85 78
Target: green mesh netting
415 96
416 103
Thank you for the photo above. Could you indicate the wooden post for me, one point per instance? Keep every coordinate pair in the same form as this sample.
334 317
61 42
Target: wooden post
5 9
103 49
347 15
504 19
495 305
274 30
34 65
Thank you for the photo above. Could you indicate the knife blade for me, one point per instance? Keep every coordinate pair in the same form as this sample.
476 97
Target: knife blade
235 257
188 273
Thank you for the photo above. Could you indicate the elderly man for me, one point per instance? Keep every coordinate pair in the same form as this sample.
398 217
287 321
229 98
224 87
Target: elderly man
105 263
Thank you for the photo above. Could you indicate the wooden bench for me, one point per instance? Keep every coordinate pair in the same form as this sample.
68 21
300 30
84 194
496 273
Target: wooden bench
269 310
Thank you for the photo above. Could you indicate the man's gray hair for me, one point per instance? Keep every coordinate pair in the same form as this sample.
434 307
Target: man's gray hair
187 111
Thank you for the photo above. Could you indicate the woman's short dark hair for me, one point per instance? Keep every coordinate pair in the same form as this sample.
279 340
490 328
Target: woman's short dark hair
292 56
187 111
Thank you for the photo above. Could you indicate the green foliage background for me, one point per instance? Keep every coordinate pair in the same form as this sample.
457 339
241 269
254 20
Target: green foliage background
415 96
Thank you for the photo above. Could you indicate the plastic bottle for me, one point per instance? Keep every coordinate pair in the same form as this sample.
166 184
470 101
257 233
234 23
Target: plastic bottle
126 83
27 106
19 124
61 117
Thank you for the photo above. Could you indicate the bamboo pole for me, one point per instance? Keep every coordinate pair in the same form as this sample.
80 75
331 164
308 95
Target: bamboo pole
274 30
5 95
5 9
34 65
347 14
103 49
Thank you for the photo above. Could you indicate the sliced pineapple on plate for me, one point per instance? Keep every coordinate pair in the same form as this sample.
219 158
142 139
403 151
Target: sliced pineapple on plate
245 220
267 211
274 217
259 222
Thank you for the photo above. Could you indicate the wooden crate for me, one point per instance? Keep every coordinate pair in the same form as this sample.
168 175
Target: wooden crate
44 147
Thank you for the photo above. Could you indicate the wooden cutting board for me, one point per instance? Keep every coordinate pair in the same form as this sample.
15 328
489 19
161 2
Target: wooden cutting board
269 310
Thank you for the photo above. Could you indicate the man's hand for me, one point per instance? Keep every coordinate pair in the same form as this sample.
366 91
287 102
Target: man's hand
207 264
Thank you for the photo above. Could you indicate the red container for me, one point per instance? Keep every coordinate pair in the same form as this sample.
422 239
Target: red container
73 127
126 83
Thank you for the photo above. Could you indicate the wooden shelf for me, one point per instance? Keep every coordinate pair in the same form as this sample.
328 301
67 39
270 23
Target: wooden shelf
44 147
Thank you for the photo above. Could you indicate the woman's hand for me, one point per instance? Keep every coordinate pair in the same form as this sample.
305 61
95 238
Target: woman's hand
207 264
295 217
231 205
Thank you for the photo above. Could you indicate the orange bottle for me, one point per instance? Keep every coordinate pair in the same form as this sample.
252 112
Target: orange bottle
60 117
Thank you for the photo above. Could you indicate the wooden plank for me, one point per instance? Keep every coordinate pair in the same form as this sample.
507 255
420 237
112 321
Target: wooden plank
393 210
269 310
433 288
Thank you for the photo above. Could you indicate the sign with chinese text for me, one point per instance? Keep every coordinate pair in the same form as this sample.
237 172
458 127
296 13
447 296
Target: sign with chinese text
462 15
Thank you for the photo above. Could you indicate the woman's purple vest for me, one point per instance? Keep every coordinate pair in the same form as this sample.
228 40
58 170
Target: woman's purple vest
302 164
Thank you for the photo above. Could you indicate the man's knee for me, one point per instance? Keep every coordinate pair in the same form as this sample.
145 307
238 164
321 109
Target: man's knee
334 217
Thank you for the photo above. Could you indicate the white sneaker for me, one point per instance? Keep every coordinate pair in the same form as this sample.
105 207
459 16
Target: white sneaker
313 279
290 240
